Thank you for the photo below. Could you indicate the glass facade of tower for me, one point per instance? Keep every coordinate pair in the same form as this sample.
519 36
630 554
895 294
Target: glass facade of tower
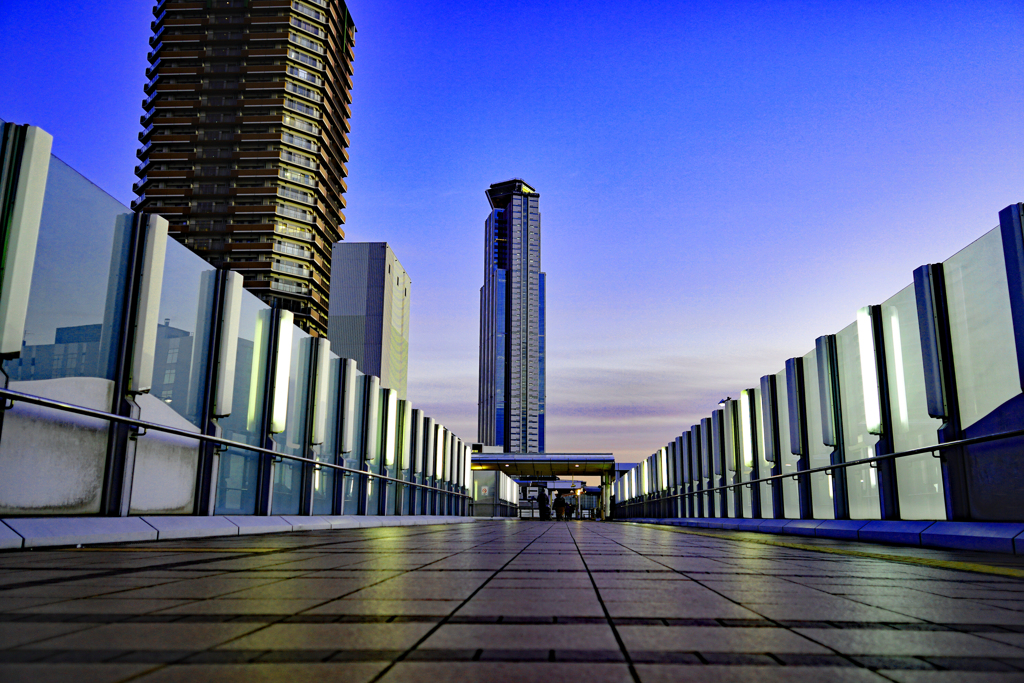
511 401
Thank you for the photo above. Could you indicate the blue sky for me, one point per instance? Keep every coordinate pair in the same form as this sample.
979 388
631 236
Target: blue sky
720 182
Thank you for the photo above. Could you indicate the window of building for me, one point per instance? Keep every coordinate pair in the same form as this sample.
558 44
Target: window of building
172 351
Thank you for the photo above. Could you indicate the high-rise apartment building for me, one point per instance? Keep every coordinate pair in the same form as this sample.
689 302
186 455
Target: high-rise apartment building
369 317
245 140
511 401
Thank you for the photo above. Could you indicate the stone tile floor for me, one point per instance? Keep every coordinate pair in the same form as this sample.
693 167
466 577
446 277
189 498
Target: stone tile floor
510 601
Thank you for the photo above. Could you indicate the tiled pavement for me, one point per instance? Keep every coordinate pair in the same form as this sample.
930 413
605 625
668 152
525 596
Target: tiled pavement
505 601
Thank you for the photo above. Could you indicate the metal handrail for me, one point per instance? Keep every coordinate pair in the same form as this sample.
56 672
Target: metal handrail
827 469
14 396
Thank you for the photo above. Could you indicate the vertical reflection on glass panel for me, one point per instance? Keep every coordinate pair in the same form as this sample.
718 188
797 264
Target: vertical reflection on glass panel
981 328
165 466
353 459
746 450
71 332
374 486
919 476
818 453
764 467
858 442
288 473
179 368
323 479
236 480
790 489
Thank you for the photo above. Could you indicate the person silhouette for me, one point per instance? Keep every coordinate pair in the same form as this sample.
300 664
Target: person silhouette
559 506
544 504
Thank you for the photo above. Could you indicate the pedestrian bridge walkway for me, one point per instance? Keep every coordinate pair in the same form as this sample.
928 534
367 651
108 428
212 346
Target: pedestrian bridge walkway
511 601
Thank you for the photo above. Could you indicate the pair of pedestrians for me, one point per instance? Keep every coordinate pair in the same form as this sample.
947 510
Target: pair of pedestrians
560 506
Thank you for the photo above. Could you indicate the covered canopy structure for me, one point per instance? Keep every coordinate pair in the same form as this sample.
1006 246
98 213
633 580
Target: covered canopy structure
553 465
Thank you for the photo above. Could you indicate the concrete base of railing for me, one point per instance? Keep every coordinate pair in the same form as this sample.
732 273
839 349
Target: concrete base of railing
993 537
36 532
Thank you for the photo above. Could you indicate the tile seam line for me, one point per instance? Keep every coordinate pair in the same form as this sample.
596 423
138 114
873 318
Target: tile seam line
403 573
607 615
401 658
922 562
279 620
677 571
187 563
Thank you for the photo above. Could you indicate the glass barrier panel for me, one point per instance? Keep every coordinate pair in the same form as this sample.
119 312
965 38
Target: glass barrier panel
764 467
710 510
787 460
353 485
919 476
746 453
375 487
288 473
323 479
858 443
165 466
239 468
69 350
981 327
819 455
729 454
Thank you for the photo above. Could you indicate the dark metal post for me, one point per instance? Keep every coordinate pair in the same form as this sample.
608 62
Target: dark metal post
798 432
940 383
116 496
755 461
265 474
888 488
698 468
207 470
829 392
772 443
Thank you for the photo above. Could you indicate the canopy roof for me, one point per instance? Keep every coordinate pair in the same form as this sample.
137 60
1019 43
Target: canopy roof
546 464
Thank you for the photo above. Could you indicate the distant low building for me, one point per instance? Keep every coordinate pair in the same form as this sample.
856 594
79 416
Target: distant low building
369 314
76 353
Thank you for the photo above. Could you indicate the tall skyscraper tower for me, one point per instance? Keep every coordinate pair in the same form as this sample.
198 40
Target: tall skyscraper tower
369 319
245 140
511 399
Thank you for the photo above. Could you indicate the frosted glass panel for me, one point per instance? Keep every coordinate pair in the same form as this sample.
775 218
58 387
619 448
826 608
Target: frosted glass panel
745 450
818 453
236 484
375 486
984 356
790 489
323 479
765 467
919 476
165 467
862 480
72 324
288 473
352 485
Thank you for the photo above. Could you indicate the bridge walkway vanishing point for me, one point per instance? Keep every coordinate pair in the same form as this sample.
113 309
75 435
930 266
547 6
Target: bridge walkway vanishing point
510 601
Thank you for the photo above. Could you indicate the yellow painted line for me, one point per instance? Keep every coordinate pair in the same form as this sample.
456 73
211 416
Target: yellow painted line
921 561
173 550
